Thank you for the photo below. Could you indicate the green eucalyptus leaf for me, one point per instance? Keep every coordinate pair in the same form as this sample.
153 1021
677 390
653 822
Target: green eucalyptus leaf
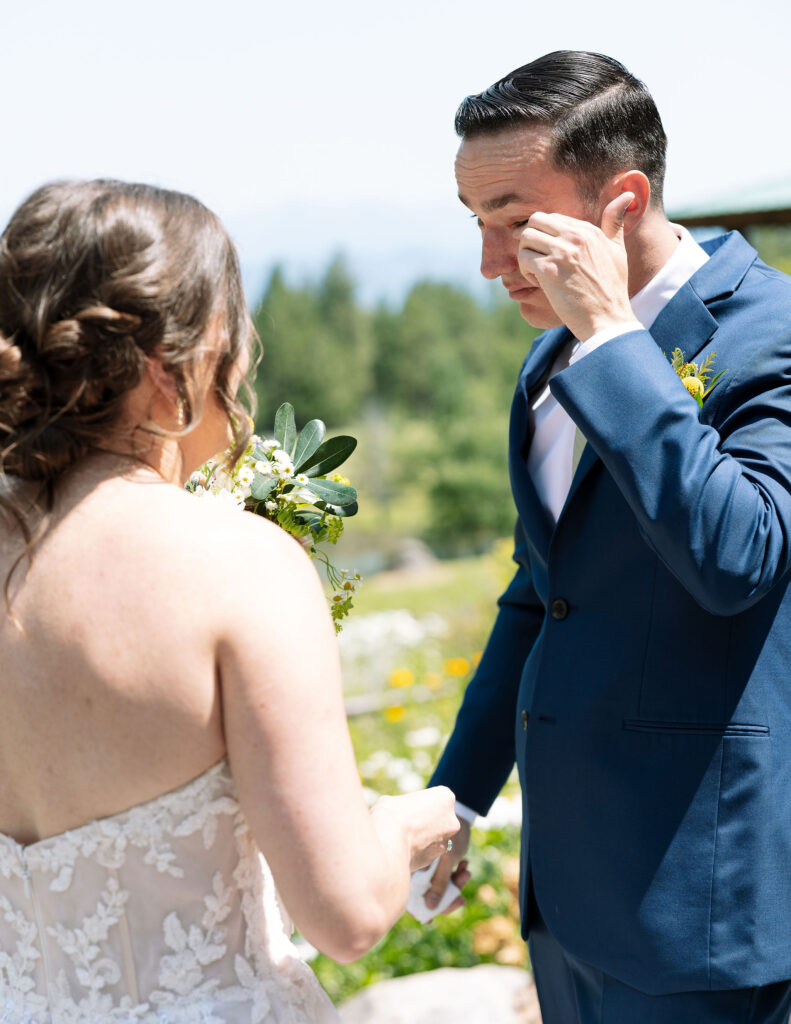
330 455
286 428
308 441
714 383
314 521
330 491
341 511
263 486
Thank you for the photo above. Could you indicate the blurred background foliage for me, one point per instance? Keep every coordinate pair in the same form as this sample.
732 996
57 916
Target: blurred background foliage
410 647
425 386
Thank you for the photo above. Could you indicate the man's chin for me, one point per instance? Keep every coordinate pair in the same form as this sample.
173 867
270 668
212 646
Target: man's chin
543 319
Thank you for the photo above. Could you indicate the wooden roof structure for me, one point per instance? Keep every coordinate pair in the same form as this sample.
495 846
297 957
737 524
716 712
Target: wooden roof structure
761 204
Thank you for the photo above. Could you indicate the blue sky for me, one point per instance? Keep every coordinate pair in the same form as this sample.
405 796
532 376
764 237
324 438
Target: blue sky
314 127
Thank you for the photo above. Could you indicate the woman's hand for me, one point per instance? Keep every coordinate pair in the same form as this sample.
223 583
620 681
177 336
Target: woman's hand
425 819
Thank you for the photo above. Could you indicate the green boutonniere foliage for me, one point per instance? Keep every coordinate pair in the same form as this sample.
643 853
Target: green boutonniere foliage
696 378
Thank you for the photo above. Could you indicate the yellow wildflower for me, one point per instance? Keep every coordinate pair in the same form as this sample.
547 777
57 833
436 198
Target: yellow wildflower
401 677
395 713
457 667
694 386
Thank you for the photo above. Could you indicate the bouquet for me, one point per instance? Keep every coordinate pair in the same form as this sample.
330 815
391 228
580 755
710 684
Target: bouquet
290 479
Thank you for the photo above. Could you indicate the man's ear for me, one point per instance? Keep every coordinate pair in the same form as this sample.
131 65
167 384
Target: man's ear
637 183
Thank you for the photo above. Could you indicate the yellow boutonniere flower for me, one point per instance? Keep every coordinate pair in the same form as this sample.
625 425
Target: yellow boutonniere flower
696 378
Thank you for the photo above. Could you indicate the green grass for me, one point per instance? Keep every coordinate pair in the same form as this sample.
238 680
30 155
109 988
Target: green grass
453 588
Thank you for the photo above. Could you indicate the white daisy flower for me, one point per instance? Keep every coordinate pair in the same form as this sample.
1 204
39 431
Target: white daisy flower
282 458
222 481
222 497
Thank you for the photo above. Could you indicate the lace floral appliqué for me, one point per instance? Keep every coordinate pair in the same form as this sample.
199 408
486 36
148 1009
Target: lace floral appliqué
164 914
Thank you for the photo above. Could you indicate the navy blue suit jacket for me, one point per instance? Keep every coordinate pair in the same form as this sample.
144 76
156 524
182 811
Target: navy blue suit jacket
646 642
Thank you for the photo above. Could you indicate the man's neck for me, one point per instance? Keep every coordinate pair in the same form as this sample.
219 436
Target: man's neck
649 247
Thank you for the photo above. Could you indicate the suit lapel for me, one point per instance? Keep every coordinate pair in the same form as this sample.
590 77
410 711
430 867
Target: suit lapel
686 322
542 356
587 461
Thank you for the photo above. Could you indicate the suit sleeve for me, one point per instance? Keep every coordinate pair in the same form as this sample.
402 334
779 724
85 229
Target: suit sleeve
712 499
480 753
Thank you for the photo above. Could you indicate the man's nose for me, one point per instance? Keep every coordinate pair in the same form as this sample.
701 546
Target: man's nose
498 255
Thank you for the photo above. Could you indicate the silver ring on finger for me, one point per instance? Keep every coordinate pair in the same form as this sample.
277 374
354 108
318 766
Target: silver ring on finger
450 846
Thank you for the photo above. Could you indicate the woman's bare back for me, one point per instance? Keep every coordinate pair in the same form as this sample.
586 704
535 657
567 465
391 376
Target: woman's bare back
110 695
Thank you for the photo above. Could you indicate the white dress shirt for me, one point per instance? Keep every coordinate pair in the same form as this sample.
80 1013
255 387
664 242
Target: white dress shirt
549 461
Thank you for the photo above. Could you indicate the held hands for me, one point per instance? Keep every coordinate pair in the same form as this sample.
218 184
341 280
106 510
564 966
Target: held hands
452 867
580 268
425 818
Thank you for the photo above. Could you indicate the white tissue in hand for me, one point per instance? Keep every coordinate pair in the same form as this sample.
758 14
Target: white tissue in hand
421 883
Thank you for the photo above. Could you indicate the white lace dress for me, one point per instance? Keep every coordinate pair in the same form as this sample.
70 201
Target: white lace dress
163 914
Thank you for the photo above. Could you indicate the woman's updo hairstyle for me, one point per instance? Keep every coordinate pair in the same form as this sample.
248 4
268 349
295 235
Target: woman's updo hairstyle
94 277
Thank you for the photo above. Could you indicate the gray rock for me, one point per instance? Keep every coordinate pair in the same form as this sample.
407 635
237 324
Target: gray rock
486 994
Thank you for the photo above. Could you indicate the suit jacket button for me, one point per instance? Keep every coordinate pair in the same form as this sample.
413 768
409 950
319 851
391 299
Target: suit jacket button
525 719
559 609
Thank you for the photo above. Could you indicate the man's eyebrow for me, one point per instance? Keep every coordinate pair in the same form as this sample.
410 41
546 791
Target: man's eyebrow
497 203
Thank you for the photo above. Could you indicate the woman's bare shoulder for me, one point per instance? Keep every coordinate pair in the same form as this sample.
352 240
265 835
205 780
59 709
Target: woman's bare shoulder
192 520
219 544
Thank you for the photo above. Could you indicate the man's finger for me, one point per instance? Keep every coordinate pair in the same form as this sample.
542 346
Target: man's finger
532 240
553 223
440 880
613 215
457 904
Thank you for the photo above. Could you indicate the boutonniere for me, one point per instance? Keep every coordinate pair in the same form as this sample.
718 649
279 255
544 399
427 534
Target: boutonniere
696 378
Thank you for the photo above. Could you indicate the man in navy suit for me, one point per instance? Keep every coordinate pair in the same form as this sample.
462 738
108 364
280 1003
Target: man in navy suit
639 669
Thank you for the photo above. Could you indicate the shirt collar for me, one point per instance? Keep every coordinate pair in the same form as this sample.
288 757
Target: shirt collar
687 258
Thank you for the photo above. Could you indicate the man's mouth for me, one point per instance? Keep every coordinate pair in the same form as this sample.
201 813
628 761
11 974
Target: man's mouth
521 292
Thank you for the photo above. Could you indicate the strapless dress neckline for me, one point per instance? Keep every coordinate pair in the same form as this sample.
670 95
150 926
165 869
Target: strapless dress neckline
176 793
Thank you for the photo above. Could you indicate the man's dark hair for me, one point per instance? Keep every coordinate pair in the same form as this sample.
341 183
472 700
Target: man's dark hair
602 119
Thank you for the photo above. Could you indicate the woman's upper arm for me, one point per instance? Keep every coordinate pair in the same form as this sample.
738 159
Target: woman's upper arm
286 733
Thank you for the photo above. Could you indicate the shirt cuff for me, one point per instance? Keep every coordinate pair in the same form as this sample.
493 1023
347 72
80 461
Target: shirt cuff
465 812
600 337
